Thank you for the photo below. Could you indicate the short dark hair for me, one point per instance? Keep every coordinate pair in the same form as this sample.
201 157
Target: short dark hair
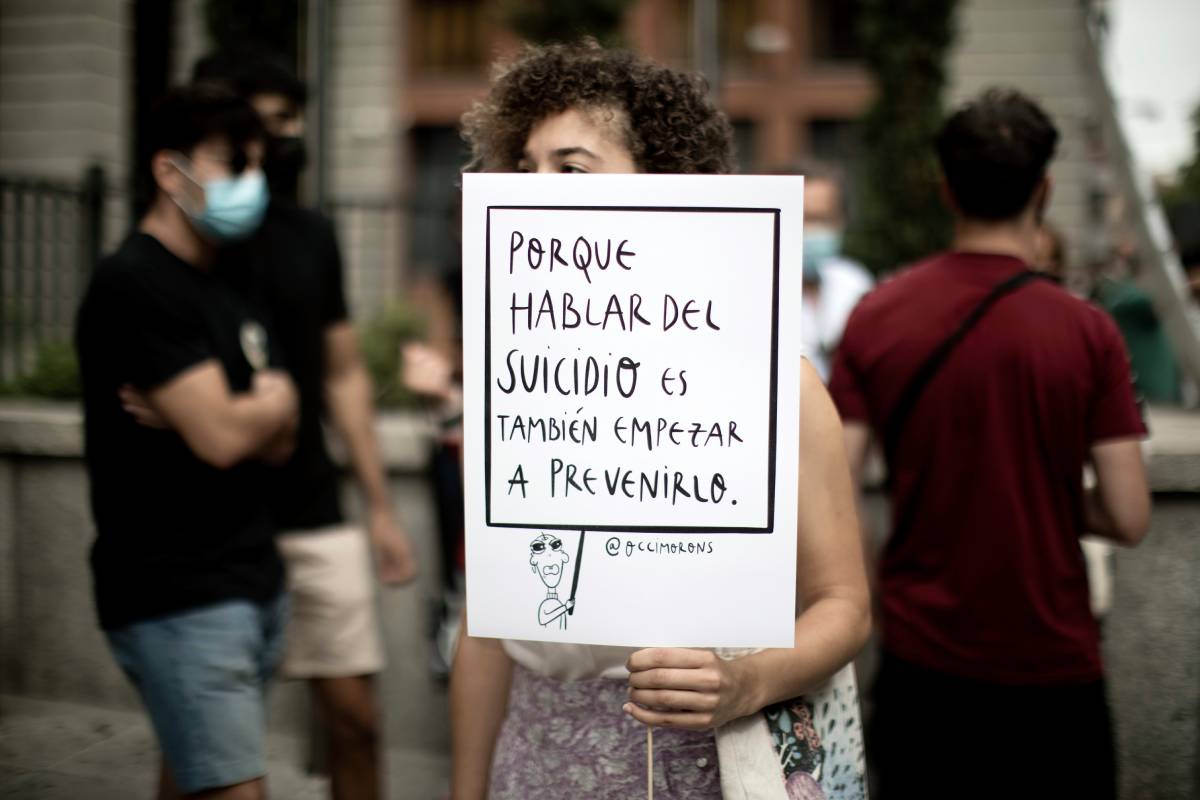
188 115
249 71
994 151
673 125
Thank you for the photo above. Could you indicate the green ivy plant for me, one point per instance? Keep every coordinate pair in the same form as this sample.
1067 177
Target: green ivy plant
1185 189
54 375
381 339
902 217
236 23
55 370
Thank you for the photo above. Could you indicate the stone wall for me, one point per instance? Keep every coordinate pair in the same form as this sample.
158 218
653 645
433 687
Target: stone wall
364 133
50 646
66 77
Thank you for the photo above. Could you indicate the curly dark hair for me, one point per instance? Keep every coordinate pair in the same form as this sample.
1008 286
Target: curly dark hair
670 124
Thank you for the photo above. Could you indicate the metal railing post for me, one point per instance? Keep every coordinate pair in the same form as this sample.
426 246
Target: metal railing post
93 217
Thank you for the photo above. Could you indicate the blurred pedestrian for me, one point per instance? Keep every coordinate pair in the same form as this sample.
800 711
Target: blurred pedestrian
1156 372
833 283
1051 257
295 269
428 373
188 582
989 389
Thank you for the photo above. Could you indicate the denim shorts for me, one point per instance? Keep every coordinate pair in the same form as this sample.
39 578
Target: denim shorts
202 675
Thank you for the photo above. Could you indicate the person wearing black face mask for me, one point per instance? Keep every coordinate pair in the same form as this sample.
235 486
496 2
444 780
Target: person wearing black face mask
279 97
286 158
292 267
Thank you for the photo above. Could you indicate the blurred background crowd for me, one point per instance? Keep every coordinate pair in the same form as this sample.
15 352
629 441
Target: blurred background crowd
854 85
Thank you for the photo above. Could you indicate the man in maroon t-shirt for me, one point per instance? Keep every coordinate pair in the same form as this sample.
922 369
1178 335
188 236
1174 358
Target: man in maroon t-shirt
991 678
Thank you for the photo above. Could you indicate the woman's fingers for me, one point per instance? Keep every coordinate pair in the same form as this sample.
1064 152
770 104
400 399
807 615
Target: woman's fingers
694 721
667 701
669 658
688 680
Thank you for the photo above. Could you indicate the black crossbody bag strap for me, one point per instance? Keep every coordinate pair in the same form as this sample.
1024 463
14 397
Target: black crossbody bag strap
925 374
929 368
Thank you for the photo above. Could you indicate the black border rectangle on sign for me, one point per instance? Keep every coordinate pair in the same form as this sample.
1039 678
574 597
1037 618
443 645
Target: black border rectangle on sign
487 374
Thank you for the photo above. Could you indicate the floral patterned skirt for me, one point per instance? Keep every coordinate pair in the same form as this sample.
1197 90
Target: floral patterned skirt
570 739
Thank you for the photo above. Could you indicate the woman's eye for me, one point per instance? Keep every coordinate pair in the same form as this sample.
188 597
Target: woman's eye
572 169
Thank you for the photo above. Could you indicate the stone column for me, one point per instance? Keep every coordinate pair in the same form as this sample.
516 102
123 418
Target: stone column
363 147
65 99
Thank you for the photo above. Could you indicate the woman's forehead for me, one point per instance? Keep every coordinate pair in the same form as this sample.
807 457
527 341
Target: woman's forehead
583 123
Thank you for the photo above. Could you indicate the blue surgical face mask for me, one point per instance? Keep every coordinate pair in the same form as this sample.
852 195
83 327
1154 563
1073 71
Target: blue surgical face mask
821 243
233 207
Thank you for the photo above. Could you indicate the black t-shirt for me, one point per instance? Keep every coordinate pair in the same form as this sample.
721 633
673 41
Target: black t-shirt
173 532
293 270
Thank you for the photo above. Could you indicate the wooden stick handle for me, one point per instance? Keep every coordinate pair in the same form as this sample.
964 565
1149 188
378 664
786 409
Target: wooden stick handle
649 763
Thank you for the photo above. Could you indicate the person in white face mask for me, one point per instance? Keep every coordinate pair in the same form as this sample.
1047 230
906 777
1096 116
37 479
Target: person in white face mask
184 408
833 284
230 207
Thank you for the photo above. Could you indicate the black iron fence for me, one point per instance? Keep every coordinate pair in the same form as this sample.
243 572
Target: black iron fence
53 232
50 236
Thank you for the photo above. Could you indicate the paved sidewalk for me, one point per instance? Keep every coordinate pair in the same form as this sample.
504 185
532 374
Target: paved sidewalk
64 751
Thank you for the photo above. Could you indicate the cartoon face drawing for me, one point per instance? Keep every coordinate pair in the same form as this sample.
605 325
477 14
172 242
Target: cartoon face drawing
548 559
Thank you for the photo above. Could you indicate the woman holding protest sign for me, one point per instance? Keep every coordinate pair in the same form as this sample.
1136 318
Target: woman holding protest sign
540 720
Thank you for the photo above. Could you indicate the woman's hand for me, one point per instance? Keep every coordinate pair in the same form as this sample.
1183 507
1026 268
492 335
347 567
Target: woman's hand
693 689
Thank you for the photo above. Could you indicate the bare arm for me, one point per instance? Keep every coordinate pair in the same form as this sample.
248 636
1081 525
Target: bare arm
479 686
348 391
694 689
222 428
1118 508
857 436
831 584
349 394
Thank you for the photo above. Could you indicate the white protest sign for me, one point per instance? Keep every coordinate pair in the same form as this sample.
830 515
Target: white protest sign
631 376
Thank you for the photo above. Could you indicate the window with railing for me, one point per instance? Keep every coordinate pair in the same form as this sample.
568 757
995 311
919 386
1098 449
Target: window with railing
734 22
449 37
736 19
834 28
438 154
